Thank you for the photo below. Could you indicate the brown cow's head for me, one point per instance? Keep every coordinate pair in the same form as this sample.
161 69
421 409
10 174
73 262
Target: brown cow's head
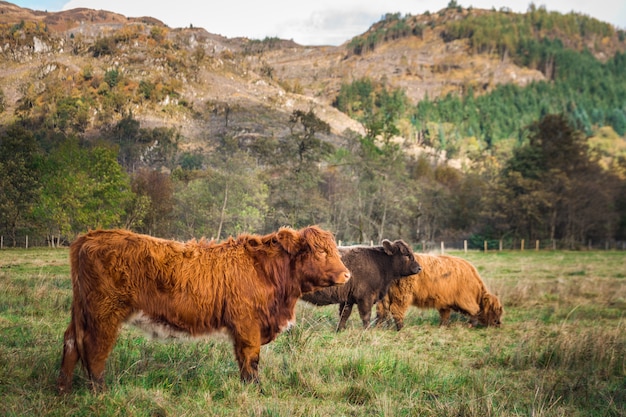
491 311
404 262
317 261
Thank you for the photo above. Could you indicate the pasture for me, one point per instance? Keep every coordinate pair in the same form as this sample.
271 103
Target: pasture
561 351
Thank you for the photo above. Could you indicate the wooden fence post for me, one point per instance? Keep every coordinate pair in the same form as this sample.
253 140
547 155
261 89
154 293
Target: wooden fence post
500 245
442 249
26 241
485 245
522 245
465 246
536 244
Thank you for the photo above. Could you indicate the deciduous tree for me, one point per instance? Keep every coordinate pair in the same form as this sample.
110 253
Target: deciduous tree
19 179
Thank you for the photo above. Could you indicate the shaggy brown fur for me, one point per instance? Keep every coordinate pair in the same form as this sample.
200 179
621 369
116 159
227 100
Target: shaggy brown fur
446 283
247 286
373 270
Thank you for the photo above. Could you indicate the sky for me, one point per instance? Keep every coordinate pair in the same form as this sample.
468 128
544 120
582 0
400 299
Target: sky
319 22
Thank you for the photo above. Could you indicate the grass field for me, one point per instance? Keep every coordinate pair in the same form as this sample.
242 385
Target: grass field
560 352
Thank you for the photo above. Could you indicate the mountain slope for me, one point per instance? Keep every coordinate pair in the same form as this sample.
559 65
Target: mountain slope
205 85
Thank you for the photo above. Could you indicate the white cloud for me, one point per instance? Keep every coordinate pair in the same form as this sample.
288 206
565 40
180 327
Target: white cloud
325 27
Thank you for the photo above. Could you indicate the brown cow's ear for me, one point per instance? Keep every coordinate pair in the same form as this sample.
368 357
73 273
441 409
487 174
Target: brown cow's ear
253 243
289 240
388 246
487 302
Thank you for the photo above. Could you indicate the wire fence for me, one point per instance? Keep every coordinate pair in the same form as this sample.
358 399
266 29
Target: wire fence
523 244
508 245
440 246
26 242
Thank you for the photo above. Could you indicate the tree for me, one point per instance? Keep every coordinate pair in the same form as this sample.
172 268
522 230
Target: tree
374 105
65 188
155 201
307 145
110 191
381 120
83 188
226 199
221 204
126 133
296 178
19 173
379 188
141 147
375 161
556 190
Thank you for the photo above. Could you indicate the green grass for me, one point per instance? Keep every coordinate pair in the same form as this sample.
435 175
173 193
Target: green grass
560 352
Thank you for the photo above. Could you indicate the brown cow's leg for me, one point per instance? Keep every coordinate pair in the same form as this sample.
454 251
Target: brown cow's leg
100 334
93 347
444 316
345 309
474 314
68 362
247 351
399 320
398 308
98 346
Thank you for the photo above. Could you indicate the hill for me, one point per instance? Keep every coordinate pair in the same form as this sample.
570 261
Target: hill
199 74
422 127
260 82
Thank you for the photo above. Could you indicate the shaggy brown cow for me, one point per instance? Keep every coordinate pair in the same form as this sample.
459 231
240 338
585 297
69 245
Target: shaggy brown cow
247 286
373 269
446 283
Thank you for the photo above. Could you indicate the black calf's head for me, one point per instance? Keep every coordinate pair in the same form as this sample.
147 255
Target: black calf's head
403 263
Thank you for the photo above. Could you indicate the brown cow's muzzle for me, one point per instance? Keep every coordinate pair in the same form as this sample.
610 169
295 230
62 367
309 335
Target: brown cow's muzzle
345 277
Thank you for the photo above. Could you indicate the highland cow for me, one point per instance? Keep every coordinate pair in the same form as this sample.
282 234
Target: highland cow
247 286
373 270
446 283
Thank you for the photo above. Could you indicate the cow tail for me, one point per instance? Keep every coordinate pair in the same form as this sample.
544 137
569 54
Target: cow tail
73 351
73 340
79 335
78 309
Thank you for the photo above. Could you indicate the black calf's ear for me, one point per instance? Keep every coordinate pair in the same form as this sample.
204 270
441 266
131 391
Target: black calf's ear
388 247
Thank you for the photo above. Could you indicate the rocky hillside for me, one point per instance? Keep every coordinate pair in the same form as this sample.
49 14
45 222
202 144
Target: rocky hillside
203 84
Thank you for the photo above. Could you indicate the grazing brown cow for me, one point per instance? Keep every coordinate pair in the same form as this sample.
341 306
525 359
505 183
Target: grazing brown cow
446 283
247 286
373 269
